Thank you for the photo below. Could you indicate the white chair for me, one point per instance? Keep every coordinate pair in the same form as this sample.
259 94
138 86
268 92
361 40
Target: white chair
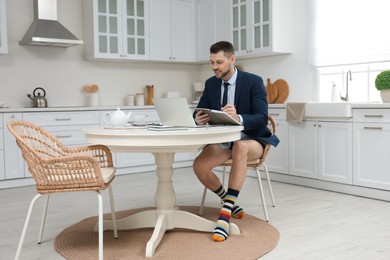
255 165
56 168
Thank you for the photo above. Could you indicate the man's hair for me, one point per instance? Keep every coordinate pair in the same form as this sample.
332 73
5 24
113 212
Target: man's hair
224 46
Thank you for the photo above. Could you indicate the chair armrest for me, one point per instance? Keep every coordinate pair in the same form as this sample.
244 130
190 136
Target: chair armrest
68 173
100 152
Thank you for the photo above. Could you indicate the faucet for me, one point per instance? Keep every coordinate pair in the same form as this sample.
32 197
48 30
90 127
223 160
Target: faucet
346 94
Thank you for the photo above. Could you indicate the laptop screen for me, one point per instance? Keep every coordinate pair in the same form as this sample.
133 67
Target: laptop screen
174 112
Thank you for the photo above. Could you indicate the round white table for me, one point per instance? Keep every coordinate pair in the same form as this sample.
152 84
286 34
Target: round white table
163 145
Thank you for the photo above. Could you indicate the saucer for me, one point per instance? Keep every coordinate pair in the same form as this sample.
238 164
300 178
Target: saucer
138 124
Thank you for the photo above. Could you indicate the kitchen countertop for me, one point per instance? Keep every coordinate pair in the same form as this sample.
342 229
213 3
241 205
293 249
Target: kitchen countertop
357 105
71 108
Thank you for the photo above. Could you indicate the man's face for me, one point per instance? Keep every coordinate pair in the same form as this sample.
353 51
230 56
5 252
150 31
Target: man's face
221 65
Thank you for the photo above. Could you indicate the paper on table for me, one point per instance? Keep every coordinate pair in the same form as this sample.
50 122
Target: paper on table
167 128
218 117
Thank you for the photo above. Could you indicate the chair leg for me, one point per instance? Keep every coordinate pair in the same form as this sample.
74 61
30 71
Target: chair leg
203 200
100 203
21 241
43 220
113 211
223 176
262 194
269 184
223 180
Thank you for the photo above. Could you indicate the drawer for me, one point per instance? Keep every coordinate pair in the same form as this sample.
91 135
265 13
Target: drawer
278 114
63 118
69 135
371 115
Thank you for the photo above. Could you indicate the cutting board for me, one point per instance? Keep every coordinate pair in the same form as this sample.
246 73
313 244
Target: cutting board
283 91
272 92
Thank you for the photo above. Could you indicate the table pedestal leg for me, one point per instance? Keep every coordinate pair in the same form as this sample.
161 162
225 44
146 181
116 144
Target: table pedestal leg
165 217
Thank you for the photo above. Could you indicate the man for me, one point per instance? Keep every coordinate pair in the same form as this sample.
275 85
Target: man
242 95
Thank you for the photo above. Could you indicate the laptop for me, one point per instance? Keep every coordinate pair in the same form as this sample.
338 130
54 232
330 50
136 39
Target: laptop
174 112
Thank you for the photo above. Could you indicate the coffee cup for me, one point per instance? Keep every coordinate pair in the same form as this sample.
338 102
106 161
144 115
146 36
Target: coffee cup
139 120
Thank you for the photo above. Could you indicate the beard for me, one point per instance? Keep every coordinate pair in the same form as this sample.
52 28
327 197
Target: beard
224 74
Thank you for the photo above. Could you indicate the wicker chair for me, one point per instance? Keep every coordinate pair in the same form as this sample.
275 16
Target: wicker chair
255 165
56 168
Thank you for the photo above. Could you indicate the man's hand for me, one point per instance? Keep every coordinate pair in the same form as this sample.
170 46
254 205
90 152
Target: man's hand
201 118
231 110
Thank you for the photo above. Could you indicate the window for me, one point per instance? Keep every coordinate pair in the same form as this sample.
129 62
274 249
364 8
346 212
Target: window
349 35
360 89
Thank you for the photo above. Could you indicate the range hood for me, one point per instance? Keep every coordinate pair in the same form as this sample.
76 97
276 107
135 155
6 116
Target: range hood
46 30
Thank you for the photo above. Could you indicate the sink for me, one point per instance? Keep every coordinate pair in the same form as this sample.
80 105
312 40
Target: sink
328 109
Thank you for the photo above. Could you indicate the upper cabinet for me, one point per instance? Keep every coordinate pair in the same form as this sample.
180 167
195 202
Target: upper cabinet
261 27
116 29
172 30
183 30
3 28
212 25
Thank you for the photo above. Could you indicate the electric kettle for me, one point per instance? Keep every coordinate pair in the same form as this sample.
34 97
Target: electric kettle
38 99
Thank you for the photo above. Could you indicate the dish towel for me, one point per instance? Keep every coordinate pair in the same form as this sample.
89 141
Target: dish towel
295 112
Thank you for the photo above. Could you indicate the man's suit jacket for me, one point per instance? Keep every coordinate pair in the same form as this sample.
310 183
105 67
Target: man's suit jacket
250 100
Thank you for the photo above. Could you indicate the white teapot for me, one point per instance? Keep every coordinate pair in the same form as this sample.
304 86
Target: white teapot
117 118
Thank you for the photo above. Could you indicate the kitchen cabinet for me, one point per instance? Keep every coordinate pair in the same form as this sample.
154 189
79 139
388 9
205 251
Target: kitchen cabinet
335 152
261 27
212 25
65 126
321 150
13 160
116 29
3 28
303 149
277 158
172 30
371 150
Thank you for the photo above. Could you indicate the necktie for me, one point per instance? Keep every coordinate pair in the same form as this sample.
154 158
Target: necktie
225 93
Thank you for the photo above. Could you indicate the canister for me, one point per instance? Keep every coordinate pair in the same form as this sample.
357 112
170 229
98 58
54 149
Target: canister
129 100
139 99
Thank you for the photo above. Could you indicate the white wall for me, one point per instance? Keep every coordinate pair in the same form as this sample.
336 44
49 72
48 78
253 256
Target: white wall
63 71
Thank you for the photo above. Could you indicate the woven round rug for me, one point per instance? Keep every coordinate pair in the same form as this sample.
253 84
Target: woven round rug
257 238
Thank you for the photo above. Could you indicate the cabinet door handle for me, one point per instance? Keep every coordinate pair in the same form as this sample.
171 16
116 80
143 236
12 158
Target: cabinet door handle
373 116
373 127
63 136
276 114
63 119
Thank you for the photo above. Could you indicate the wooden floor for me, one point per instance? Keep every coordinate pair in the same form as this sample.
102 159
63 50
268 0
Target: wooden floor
313 224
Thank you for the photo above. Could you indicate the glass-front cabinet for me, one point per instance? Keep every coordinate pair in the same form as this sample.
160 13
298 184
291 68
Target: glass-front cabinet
116 29
3 28
261 27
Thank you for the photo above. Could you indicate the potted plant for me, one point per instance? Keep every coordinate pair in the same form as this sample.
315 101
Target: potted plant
382 83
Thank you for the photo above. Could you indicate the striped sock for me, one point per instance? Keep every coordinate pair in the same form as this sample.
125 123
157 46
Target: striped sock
237 211
221 231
